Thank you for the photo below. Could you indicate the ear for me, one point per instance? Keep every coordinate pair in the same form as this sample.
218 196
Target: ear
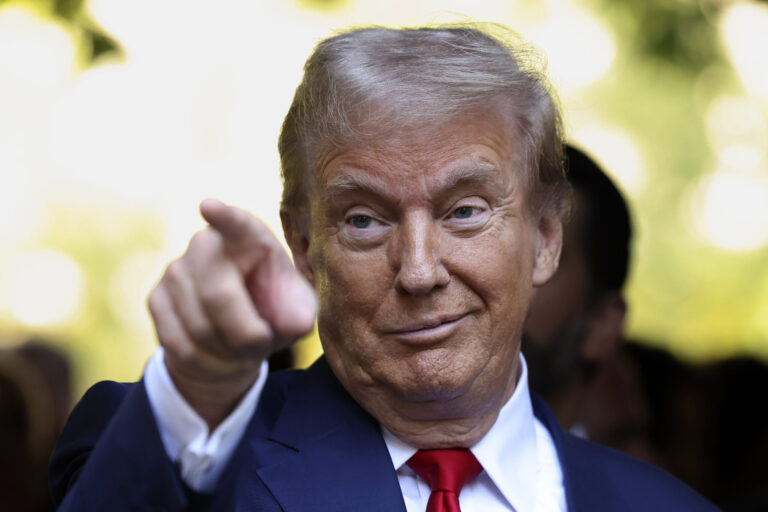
549 243
606 327
296 232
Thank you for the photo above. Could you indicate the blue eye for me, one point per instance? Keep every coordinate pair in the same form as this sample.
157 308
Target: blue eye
361 221
463 212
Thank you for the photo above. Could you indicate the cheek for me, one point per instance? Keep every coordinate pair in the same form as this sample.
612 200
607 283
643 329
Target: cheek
352 286
498 270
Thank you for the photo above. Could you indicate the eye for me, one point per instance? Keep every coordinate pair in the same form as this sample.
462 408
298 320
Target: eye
467 214
464 212
363 230
361 221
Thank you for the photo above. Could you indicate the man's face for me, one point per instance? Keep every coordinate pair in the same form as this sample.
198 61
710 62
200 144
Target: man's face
424 256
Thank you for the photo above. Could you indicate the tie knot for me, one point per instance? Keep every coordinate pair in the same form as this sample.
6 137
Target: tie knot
446 470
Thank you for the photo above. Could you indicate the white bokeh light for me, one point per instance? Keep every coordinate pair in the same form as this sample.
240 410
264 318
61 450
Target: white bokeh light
737 131
744 29
41 288
48 55
729 208
182 118
37 59
579 48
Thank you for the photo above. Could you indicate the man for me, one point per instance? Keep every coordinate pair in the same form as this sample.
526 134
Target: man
422 202
576 320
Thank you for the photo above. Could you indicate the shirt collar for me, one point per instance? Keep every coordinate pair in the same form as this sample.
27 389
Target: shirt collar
507 452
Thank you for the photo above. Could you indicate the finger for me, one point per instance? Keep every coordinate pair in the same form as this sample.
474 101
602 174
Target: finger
281 294
227 304
170 333
241 231
286 301
184 357
190 313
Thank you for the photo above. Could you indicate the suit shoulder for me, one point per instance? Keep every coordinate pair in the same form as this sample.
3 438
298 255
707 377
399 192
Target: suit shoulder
97 406
632 481
273 395
85 425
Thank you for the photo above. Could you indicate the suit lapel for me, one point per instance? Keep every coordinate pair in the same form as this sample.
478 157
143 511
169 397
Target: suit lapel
587 486
325 452
545 416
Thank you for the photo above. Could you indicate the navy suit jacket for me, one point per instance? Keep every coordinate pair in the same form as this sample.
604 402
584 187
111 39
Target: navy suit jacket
309 448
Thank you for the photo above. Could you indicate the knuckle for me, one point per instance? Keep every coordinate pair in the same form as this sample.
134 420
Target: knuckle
204 241
173 343
251 336
187 354
176 270
215 295
203 333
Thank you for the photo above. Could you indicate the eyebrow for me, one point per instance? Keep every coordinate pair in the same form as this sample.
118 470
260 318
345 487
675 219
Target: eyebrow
476 173
351 183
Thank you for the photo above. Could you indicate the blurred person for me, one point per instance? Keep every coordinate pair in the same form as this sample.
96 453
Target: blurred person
700 424
55 371
740 444
616 411
576 320
423 198
34 405
16 491
680 399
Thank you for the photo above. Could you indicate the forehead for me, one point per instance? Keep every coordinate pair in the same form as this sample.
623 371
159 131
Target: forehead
471 148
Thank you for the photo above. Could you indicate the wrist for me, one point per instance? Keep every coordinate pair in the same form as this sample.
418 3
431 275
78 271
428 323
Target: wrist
213 395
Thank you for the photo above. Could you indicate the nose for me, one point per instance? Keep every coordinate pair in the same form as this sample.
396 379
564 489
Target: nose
418 258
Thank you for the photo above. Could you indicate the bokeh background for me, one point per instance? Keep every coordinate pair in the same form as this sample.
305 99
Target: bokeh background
117 117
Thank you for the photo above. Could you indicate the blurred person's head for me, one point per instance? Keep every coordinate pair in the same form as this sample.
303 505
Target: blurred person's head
16 493
576 320
54 370
35 399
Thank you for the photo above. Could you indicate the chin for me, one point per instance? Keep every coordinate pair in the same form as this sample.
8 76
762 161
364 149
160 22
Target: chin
434 383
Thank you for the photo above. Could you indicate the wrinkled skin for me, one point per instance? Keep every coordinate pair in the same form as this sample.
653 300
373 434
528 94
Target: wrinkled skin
424 255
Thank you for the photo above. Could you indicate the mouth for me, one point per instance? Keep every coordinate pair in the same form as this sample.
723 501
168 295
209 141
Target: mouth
428 330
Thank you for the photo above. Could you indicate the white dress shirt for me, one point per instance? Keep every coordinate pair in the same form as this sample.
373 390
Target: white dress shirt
521 471
185 434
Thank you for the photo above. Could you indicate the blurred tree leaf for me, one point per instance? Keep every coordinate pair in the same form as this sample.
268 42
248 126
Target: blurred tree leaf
67 9
102 44
678 32
73 13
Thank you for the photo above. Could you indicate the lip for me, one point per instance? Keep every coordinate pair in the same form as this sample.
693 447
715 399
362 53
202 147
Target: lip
429 330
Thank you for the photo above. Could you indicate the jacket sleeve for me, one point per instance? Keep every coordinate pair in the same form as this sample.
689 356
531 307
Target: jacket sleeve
110 456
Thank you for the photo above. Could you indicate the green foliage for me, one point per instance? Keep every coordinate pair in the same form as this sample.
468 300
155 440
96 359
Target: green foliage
679 32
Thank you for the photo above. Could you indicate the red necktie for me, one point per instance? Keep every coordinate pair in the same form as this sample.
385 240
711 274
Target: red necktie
446 472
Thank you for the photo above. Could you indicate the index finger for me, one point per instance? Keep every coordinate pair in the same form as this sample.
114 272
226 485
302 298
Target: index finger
241 231
280 293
